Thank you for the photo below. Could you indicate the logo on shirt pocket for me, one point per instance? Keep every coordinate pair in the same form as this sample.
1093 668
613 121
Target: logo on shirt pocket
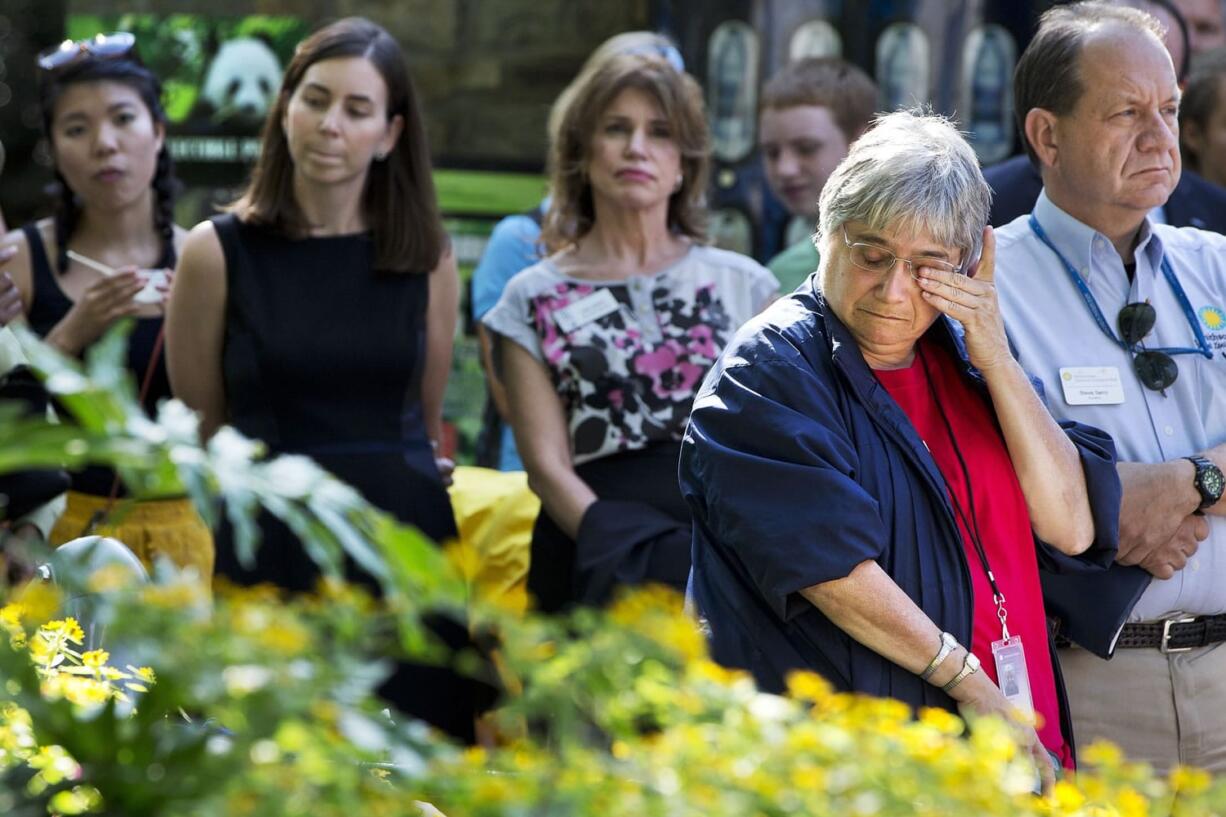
1213 318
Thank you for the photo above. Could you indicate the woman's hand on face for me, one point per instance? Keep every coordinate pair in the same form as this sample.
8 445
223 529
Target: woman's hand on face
106 301
978 696
971 300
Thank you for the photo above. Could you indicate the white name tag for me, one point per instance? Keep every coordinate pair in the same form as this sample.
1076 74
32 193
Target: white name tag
585 310
1092 385
1011 673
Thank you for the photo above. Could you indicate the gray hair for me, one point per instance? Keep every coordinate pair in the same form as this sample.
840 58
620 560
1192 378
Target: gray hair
912 171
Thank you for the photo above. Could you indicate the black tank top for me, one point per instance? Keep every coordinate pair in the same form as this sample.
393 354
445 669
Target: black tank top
49 305
323 355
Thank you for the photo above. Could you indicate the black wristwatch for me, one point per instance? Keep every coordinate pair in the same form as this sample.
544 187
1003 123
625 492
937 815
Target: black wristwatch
1208 481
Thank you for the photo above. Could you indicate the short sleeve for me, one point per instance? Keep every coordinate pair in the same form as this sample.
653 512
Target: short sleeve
765 441
511 248
510 317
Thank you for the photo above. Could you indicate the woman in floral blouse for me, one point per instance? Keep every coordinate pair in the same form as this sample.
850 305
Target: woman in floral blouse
610 336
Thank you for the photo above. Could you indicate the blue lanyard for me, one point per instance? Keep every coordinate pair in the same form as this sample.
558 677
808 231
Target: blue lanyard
1092 304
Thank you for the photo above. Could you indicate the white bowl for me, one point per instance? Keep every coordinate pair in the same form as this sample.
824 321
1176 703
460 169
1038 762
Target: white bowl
154 278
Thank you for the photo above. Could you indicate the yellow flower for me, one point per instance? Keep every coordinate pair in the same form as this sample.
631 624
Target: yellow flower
77 690
110 577
10 621
808 686
707 670
39 601
944 721
808 776
681 635
66 629
285 637
1067 797
1189 780
180 595
1131 803
1102 753
95 659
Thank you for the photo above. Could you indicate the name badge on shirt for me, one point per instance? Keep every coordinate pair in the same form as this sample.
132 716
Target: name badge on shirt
585 310
1092 385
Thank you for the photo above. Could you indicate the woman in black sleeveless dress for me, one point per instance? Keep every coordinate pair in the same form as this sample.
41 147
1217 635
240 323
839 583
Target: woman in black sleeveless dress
317 315
104 120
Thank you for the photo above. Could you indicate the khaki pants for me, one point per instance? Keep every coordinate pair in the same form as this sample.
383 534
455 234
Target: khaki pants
1160 708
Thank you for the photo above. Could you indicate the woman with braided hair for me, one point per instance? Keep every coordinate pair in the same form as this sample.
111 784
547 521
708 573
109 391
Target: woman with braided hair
106 256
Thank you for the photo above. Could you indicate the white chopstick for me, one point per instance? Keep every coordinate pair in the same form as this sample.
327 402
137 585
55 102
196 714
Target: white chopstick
91 263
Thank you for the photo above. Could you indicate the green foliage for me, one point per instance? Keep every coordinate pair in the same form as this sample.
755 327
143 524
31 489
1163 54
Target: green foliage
249 703
177 46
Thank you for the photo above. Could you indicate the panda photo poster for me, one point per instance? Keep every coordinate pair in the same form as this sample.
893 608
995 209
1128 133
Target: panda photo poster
220 76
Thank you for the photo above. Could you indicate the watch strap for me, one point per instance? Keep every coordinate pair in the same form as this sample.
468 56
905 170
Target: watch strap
970 665
948 644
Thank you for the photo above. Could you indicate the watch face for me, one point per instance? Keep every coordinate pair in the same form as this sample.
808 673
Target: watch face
1211 479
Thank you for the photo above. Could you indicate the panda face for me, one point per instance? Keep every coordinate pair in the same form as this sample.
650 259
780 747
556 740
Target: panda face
242 80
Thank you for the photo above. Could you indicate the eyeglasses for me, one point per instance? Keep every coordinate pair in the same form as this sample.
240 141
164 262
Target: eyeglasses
1155 369
878 259
101 46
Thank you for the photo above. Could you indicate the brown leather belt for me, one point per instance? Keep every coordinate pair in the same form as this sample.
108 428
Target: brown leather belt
1171 635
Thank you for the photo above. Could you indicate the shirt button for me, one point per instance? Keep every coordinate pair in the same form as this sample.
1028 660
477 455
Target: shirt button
1194 565
1170 432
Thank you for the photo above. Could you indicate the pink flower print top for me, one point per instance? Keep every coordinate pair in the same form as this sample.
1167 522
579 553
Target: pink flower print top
627 357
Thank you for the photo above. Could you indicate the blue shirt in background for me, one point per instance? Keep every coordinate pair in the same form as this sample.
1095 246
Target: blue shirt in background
512 247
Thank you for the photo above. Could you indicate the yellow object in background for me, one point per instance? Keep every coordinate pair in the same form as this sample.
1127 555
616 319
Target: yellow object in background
150 528
495 512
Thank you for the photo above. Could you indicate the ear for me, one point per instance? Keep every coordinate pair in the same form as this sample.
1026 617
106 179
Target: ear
1041 132
159 136
395 127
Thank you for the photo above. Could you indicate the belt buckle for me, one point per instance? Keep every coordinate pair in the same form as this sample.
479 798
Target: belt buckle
1166 634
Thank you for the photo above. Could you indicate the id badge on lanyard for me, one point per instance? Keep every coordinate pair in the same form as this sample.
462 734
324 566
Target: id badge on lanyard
1011 673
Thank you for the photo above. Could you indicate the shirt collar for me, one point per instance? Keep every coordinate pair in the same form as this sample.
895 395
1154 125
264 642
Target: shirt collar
1086 248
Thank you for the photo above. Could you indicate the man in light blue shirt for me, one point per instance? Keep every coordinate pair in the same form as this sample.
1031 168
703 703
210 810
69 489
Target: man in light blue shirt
1124 321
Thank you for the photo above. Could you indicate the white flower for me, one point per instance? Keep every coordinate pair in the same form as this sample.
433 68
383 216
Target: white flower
244 679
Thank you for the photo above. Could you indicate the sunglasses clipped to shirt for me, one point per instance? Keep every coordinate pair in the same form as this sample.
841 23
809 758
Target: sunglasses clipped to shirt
1155 368
100 46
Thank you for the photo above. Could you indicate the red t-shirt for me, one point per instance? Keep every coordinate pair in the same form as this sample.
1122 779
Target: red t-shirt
999 508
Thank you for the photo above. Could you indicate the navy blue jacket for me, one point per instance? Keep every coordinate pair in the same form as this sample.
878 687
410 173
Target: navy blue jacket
1016 184
798 466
